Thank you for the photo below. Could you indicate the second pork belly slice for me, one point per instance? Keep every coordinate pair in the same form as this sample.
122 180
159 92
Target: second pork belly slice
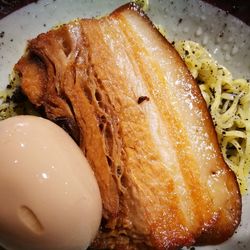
144 127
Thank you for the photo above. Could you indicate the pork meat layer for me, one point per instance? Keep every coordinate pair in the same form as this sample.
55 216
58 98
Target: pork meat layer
124 94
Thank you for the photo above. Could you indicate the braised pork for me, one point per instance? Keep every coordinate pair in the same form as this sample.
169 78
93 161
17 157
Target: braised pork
124 94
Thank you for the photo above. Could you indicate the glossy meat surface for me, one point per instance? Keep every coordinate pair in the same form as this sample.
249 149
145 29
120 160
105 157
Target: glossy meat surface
123 93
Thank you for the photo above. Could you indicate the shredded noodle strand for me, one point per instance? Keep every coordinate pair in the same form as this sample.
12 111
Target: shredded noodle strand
228 101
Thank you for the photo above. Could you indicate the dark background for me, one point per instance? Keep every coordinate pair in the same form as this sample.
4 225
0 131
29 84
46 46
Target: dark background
238 8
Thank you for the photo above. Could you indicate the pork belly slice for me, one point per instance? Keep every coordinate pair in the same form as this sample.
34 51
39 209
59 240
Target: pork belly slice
124 94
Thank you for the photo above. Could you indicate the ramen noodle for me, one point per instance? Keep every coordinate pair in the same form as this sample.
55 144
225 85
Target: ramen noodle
228 101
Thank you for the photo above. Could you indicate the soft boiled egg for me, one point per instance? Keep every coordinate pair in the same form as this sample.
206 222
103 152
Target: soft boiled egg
49 195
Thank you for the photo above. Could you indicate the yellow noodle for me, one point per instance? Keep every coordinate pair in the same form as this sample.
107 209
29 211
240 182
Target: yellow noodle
144 4
229 103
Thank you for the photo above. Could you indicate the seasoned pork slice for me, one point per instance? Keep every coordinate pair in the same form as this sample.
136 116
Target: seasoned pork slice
124 94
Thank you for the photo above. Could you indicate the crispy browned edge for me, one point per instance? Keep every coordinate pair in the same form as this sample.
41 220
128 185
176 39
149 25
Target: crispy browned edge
209 235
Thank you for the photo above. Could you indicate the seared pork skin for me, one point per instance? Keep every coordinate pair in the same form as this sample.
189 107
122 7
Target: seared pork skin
124 94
